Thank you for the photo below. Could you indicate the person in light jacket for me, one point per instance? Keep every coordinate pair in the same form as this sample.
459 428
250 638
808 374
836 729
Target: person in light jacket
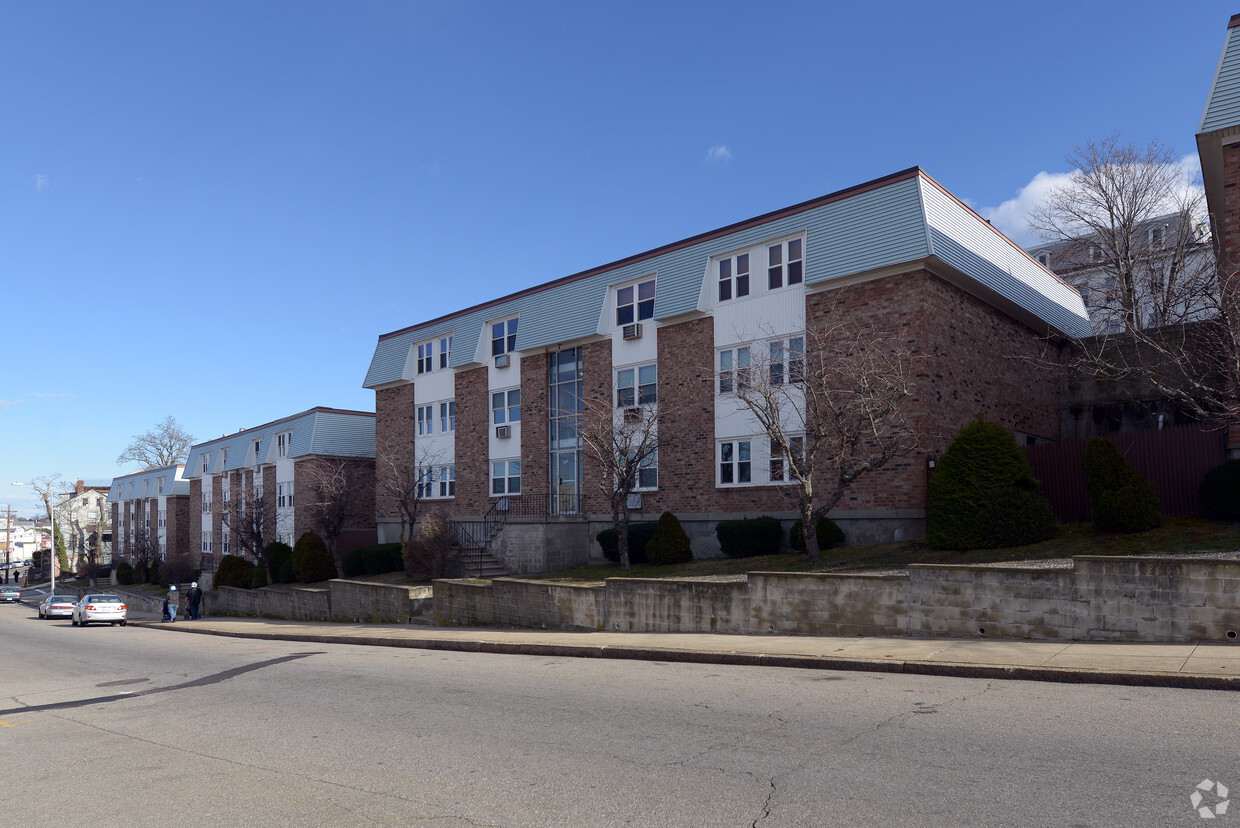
170 603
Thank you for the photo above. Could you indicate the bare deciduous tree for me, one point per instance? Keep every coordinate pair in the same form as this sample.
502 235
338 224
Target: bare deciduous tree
622 442
430 553
330 494
247 513
1165 315
404 475
834 409
166 444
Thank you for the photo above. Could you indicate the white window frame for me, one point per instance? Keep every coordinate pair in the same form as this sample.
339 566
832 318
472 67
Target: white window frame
445 351
426 356
284 443
786 360
649 465
631 391
631 305
506 408
785 263
504 335
734 367
734 459
778 465
502 477
447 416
447 481
426 420
733 274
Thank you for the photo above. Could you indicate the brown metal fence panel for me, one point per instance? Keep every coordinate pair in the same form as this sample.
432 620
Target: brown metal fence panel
1174 459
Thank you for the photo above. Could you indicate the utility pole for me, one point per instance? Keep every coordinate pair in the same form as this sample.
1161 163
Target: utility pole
8 540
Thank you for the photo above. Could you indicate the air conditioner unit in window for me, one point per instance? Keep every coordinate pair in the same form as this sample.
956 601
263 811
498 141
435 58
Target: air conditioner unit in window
503 431
501 361
633 501
633 331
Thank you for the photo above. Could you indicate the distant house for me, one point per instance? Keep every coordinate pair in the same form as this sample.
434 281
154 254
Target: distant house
489 391
85 521
150 513
254 481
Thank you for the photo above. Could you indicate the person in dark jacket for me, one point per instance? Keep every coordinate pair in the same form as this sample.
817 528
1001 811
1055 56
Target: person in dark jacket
193 598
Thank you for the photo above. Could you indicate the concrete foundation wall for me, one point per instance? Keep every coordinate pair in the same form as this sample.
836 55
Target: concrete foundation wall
1101 598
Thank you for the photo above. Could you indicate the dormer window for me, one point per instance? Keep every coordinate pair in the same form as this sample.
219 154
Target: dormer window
206 462
284 444
1156 235
504 336
734 277
445 351
635 302
426 357
1044 259
784 259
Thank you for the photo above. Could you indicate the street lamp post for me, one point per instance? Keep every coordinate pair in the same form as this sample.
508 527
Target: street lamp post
51 514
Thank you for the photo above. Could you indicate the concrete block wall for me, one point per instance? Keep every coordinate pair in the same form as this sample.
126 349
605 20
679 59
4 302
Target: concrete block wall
361 601
656 605
1018 602
820 604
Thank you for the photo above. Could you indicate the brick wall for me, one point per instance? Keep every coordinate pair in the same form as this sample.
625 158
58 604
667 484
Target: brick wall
195 513
359 501
179 538
473 417
535 476
395 430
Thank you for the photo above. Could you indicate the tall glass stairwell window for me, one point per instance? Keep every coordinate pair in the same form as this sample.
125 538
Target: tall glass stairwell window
564 409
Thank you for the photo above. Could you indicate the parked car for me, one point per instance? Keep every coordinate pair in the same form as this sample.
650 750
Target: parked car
9 595
57 606
99 607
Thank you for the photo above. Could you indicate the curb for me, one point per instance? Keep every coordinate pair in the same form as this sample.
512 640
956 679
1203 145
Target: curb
1189 681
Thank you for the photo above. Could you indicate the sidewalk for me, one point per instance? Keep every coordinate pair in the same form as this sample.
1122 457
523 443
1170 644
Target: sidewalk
1201 666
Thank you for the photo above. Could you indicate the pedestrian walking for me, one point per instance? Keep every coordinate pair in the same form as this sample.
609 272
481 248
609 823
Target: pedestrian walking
193 599
170 604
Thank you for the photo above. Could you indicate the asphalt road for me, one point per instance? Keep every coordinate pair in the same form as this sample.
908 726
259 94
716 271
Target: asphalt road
141 727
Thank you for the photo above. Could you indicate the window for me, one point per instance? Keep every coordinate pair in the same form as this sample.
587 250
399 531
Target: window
447 481
636 386
426 357
206 542
445 351
206 502
1044 259
447 416
284 494
504 337
426 482
784 258
733 369
426 420
635 303
781 471
787 360
258 444
734 277
1156 236
648 472
735 465
206 461
161 485
506 406
506 477
224 540
284 443
163 518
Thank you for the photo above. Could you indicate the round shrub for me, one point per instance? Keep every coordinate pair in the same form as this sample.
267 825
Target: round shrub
276 553
1105 467
1015 517
1133 507
982 459
374 560
124 573
670 542
233 571
639 537
829 535
258 577
152 573
355 563
286 574
311 560
1219 491
750 537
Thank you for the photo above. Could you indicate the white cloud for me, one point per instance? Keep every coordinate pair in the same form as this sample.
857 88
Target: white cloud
718 154
8 403
53 394
1012 216
41 183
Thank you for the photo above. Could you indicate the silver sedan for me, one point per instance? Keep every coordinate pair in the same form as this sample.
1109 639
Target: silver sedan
57 606
99 607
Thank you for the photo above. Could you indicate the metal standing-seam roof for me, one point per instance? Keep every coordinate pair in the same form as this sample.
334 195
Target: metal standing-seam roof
319 431
902 218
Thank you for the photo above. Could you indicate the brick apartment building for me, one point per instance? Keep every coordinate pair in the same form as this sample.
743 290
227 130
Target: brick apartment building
150 514
481 400
258 468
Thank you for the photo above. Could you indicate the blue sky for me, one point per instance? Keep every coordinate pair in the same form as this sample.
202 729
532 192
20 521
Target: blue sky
212 210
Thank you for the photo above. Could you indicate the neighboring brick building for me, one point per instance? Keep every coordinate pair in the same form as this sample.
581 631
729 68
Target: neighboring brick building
482 399
265 470
150 514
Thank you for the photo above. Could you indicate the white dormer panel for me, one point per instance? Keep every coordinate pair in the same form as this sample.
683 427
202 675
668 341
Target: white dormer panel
760 317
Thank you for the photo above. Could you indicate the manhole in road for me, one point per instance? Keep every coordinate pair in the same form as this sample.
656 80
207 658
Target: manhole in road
122 682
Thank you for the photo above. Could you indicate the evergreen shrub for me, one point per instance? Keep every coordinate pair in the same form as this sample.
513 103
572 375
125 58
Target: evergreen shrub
311 560
1122 500
639 537
1219 491
670 542
233 571
750 537
276 554
1015 517
124 574
829 535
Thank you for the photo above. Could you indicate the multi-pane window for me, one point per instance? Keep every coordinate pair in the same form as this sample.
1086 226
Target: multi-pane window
784 260
284 494
445 351
734 277
635 303
426 420
161 485
648 471
506 477
224 540
426 482
787 360
284 444
426 357
781 470
504 337
206 461
206 542
206 501
636 386
733 369
506 406
735 463
447 416
163 518
258 445
447 481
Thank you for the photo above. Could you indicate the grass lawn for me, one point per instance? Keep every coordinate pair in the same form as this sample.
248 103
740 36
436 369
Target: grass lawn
1177 535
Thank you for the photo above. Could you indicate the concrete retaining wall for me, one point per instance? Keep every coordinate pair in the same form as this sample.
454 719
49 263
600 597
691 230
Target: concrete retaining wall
338 601
1100 598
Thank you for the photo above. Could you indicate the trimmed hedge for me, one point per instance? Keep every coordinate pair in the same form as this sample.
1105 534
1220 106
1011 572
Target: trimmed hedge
829 535
276 554
670 542
374 560
639 537
981 461
125 575
1123 501
233 571
1219 491
749 538
311 560
1015 517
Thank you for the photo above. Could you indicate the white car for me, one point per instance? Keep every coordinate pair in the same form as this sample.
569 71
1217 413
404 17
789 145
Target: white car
99 607
57 606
